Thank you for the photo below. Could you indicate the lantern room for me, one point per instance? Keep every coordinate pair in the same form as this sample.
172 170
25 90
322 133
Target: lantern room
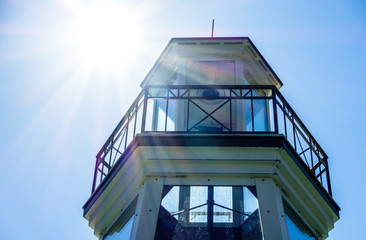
210 149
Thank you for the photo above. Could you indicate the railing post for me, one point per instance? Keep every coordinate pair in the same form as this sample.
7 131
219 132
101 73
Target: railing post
328 177
231 111
97 162
274 100
166 109
210 209
95 175
134 125
143 122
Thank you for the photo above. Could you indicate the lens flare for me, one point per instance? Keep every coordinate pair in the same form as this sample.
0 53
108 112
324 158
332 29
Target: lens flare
104 36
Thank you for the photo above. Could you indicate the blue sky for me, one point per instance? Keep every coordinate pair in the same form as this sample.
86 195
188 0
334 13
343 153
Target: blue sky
59 104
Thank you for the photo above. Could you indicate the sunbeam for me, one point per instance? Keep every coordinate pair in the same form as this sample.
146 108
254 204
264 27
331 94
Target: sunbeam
104 36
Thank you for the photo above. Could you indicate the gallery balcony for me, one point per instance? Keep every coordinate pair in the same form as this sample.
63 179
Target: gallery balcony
205 112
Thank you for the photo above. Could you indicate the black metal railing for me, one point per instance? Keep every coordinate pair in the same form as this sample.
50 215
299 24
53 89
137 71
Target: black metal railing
213 109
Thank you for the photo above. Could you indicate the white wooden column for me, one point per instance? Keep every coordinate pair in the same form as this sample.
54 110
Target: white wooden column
271 210
147 209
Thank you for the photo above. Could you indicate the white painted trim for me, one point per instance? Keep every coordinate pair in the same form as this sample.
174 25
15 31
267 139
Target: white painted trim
271 210
120 215
225 166
147 210
209 181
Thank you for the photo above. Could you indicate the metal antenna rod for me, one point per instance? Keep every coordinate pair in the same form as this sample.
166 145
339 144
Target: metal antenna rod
213 26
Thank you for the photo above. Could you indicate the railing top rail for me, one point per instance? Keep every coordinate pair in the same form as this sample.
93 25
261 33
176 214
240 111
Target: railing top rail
211 86
135 102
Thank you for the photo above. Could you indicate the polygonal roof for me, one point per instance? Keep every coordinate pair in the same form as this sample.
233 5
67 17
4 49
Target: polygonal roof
256 67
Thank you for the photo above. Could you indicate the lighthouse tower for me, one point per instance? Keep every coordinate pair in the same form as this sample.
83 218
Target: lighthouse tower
210 149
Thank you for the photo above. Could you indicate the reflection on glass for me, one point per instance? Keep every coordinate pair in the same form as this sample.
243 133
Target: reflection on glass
171 201
210 110
248 115
260 115
184 213
295 233
223 196
210 72
173 121
121 233
251 202
198 197
160 115
297 229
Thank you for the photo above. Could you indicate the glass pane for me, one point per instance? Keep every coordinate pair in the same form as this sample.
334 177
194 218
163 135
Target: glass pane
176 115
195 115
124 233
198 196
210 72
238 119
294 231
260 115
149 121
248 115
171 201
270 117
158 92
224 197
235 213
297 229
131 129
251 226
250 202
160 114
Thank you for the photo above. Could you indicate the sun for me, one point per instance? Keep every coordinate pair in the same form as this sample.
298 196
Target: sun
104 36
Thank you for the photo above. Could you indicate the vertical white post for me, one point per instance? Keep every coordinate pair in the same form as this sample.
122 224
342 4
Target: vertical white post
271 210
147 209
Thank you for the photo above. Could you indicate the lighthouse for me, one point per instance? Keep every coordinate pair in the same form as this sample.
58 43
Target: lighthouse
211 149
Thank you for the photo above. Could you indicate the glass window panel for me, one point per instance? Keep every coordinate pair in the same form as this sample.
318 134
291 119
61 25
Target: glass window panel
294 231
223 196
250 202
210 72
124 233
150 121
222 115
260 114
228 220
248 115
130 130
297 229
171 201
160 115
158 92
198 196
121 229
238 118
270 117
176 115
139 120
196 115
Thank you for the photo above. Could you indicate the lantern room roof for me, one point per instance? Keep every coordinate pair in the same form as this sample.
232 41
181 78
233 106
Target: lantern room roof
228 48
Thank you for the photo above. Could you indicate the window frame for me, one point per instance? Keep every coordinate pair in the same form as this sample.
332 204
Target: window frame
122 219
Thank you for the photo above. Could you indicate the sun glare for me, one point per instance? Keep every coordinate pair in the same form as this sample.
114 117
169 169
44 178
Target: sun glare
105 36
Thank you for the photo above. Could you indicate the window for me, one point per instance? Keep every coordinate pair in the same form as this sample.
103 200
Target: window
297 229
121 229
208 212
210 72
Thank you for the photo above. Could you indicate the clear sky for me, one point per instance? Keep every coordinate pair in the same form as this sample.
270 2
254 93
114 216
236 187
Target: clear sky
70 69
